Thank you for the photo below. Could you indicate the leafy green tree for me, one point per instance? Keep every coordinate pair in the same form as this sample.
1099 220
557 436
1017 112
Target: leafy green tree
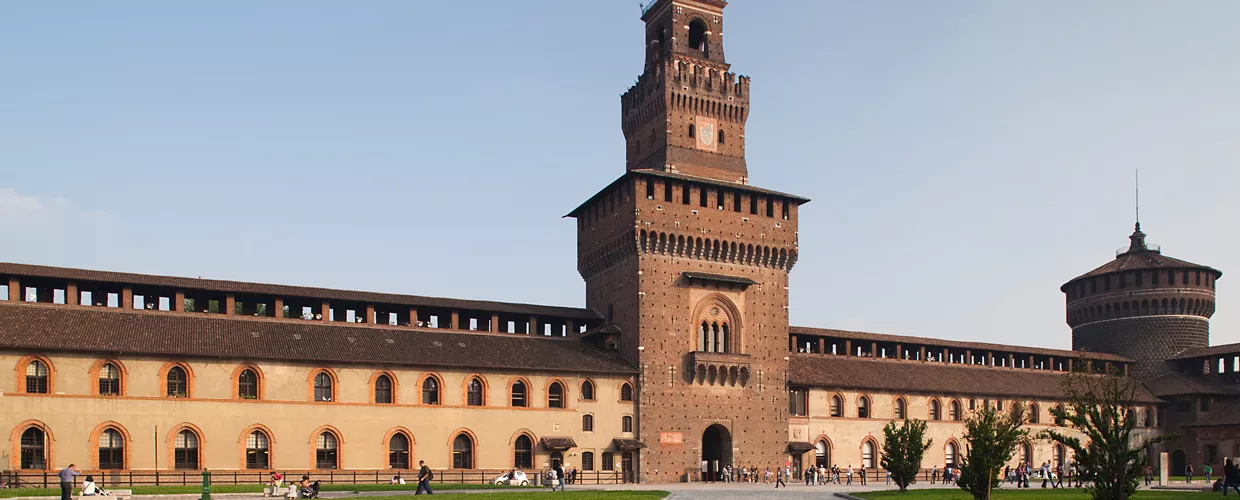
1100 410
992 436
903 448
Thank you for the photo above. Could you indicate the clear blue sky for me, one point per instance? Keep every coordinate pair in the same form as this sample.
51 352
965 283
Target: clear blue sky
965 158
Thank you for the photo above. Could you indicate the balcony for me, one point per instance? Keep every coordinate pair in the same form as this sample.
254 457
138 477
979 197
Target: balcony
720 369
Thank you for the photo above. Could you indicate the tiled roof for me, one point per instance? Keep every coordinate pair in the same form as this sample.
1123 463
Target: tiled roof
86 275
687 178
977 346
1140 259
76 329
1176 383
628 444
1226 414
558 443
1203 352
823 370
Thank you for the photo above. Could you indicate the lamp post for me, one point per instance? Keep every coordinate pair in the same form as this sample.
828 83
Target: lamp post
206 485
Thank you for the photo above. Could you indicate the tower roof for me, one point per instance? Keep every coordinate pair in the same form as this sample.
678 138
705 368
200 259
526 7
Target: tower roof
1141 255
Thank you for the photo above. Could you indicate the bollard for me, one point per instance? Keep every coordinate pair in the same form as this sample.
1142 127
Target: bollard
206 485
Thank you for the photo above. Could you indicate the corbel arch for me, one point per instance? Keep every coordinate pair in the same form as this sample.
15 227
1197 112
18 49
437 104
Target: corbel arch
718 311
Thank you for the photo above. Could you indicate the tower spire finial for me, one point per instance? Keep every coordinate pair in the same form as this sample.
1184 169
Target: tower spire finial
1137 193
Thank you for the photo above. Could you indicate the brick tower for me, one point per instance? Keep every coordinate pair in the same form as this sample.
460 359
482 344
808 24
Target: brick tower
1143 305
689 263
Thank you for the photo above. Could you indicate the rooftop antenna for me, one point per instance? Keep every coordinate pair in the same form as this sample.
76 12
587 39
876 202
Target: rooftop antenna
1137 189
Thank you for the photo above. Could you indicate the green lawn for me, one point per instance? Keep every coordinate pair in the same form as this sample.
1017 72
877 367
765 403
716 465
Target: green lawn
1032 494
568 495
244 488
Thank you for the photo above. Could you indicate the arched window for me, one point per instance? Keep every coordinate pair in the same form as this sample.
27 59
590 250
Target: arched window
555 395
247 384
949 454
1060 421
383 389
1026 453
473 396
626 392
837 406
323 387
867 454
398 451
36 377
626 424
1033 413
822 454
111 450
463 452
257 451
185 451
518 394
936 411
587 391
178 383
1057 455
587 460
34 449
863 407
697 35
109 380
587 423
900 409
523 452
325 452
953 411
430 391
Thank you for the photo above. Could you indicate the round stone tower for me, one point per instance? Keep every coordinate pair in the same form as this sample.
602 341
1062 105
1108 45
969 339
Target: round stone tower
1143 305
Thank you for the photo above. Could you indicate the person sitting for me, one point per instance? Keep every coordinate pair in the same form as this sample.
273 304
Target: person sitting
397 479
277 479
90 489
304 487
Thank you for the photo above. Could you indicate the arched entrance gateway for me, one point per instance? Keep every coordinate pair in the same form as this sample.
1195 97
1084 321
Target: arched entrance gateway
716 451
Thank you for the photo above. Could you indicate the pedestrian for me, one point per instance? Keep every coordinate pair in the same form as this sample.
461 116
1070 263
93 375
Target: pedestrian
424 479
888 477
1058 476
1188 473
779 478
68 476
934 474
559 476
850 473
1206 469
1149 474
1231 477
864 473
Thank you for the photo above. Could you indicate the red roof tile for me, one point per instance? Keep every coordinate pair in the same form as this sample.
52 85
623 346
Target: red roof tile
76 329
847 372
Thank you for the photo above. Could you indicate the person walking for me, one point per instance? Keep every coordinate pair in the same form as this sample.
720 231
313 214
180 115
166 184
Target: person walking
864 473
424 479
68 476
1206 469
559 477
779 478
1188 474
1231 477
1147 470
934 474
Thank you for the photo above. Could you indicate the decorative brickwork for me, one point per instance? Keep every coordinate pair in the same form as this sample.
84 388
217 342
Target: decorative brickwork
1149 340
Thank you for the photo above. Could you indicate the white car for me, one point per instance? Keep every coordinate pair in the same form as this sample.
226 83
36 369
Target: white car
518 479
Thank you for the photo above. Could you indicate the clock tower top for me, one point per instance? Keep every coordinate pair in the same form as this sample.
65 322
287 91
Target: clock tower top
686 113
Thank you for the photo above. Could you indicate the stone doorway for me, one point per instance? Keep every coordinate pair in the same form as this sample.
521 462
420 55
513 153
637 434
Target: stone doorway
716 451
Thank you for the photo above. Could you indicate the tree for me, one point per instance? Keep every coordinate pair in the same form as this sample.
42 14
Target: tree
903 448
1100 410
992 438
